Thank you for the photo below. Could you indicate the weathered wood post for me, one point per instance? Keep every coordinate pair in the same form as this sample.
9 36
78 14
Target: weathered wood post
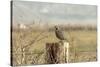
66 51
57 52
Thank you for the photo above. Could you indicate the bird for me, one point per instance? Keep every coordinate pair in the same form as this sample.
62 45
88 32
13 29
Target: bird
59 34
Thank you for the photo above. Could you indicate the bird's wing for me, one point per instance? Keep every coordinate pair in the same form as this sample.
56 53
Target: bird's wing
60 34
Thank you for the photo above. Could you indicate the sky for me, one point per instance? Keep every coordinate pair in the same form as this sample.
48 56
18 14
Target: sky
43 12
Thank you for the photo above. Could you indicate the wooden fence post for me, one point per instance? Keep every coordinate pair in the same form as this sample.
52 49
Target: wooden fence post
66 51
56 52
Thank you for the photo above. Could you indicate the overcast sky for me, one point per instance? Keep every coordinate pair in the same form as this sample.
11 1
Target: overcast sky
28 11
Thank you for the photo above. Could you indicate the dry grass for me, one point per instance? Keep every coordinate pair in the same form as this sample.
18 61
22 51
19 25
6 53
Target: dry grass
29 47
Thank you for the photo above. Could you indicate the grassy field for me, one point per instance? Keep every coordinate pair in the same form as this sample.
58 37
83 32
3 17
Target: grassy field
83 45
